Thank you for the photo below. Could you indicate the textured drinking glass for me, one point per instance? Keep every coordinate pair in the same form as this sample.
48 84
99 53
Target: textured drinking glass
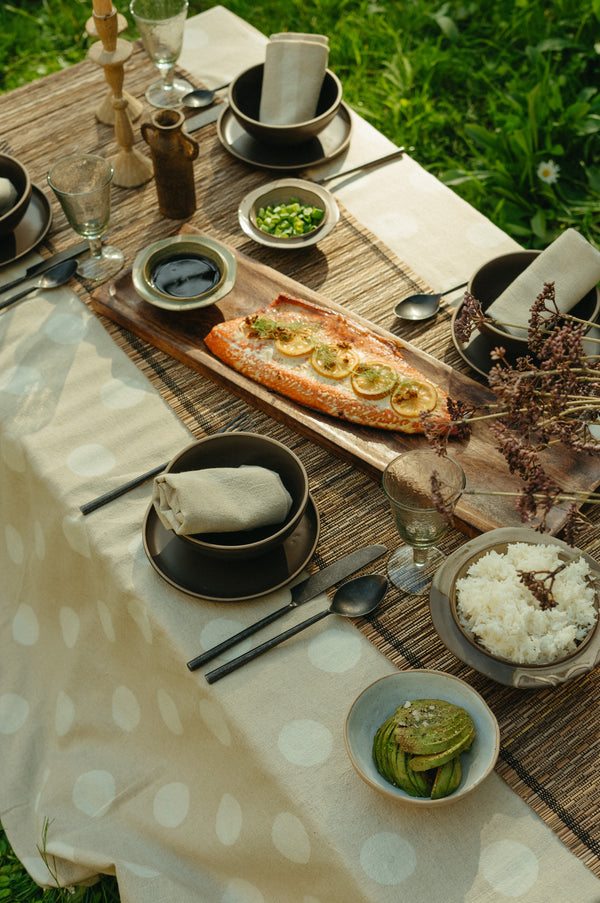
160 24
81 183
407 484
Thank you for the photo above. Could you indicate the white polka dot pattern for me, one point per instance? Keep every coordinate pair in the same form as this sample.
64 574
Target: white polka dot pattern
171 804
388 858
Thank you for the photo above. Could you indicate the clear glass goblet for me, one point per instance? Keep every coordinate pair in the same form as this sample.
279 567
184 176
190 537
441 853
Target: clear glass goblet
407 484
160 24
81 182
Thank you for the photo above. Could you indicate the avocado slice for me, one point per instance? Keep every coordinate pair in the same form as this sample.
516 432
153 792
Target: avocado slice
429 726
421 780
397 760
442 780
456 776
380 753
424 763
390 760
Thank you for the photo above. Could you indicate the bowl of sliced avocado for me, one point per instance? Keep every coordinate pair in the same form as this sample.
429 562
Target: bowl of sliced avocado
424 738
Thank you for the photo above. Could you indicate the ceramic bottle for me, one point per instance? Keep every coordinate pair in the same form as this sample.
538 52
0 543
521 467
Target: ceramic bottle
173 154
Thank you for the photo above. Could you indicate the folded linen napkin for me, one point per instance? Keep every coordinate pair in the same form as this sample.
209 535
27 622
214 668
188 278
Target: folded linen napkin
293 76
8 195
220 499
571 262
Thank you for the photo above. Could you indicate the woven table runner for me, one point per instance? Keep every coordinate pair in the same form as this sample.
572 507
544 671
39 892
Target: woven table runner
550 739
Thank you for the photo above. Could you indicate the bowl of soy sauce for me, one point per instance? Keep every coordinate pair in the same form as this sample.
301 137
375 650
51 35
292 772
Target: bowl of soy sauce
184 272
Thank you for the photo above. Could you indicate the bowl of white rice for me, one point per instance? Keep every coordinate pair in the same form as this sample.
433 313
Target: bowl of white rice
498 612
519 606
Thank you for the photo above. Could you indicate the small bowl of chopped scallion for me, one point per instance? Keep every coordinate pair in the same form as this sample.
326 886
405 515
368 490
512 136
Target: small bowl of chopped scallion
288 220
288 213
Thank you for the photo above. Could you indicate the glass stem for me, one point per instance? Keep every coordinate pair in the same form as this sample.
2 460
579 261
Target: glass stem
167 74
420 557
95 247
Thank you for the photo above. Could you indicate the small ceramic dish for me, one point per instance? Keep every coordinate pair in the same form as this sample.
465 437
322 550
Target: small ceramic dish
280 192
184 272
494 276
233 450
15 172
379 701
244 101
443 606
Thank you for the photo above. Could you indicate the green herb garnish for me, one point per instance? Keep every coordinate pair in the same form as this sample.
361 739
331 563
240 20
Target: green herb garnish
289 220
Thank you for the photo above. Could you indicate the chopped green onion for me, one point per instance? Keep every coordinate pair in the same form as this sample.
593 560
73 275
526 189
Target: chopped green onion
289 219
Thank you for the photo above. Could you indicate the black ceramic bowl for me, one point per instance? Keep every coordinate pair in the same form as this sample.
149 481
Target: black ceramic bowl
234 450
244 102
11 169
491 279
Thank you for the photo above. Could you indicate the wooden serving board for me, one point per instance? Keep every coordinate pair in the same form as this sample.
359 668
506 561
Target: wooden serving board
181 335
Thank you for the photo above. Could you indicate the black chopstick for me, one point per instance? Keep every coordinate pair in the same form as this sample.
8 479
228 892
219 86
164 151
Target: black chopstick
112 494
121 490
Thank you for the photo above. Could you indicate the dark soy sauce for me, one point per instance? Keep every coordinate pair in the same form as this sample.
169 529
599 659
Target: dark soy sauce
186 275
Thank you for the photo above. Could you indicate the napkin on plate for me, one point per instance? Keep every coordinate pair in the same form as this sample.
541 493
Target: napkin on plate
293 76
8 195
571 262
220 499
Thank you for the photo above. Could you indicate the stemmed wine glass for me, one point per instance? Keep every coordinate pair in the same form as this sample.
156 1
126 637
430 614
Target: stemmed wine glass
81 182
161 24
407 482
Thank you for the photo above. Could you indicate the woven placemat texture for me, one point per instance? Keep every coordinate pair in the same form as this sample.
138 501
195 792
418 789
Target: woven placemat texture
550 738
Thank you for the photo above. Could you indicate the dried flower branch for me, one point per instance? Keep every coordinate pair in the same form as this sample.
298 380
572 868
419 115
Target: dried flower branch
548 397
541 585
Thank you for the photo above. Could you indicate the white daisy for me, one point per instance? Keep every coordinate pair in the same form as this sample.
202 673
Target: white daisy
548 171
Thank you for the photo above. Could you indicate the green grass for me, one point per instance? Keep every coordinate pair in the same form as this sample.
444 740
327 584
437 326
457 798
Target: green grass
484 90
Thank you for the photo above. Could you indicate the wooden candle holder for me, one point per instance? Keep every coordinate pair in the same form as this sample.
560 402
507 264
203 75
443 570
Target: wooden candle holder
131 168
105 111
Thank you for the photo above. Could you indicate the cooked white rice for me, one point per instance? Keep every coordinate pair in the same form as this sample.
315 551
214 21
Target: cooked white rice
501 614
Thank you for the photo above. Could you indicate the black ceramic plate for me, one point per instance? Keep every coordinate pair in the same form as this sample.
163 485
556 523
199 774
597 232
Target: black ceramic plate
332 141
200 575
30 231
511 675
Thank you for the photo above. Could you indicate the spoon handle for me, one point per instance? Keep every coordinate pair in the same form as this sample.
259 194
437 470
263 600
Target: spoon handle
455 289
236 663
17 297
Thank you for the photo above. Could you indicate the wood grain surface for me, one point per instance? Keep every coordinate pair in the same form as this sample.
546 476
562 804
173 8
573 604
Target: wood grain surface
181 335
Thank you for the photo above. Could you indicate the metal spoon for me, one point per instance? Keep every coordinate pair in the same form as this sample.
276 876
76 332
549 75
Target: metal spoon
57 275
352 599
201 97
421 307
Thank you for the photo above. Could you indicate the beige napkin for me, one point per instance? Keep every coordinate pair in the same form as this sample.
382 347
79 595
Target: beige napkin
571 262
293 76
8 195
220 499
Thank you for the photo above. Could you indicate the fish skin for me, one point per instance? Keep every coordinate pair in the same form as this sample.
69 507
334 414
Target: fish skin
296 379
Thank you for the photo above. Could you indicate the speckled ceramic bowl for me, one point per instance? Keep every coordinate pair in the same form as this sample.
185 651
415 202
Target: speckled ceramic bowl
280 192
381 699
443 606
179 247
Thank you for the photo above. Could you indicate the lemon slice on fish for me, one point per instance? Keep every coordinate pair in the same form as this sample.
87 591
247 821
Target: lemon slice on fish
373 379
413 397
296 344
334 361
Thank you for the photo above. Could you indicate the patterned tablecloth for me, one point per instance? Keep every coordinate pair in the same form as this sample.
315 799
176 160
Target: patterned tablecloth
240 791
